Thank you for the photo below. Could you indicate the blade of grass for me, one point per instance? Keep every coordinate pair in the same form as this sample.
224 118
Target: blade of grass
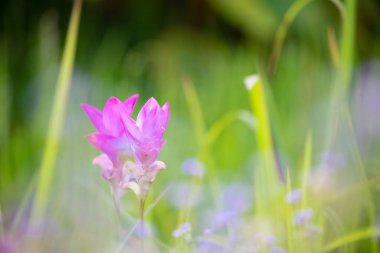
200 130
307 156
362 186
5 112
195 110
282 30
289 213
348 42
355 236
342 82
340 7
22 208
57 115
219 126
334 220
266 180
331 37
333 47
371 211
158 198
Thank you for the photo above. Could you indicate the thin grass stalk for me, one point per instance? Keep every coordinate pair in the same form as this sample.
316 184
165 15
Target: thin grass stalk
355 189
57 117
307 156
217 128
343 80
5 113
195 110
289 214
353 237
200 131
123 244
371 211
348 43
282 30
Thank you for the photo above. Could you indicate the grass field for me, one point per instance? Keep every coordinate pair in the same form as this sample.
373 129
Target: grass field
273 139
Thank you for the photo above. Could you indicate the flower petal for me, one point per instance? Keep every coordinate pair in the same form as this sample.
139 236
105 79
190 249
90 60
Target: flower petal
133 186
147 112
165 113
95 117
112 116
157 166
146 154
161 121
117 149
130 103
131 128
154 168
106 164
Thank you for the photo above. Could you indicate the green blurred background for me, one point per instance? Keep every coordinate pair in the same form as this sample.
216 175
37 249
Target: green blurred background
150 47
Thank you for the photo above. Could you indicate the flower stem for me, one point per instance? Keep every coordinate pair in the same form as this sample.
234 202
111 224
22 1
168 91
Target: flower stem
118 214
142 207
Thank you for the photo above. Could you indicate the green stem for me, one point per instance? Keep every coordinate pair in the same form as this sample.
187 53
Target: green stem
118 214
142 208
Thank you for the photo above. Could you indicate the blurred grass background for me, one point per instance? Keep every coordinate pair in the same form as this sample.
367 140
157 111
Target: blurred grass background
150 48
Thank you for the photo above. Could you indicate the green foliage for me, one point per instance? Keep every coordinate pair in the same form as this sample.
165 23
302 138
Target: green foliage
270 137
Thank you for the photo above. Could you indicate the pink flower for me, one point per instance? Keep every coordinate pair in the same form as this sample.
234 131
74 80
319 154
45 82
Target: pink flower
111 137
110 120
130 148
147 131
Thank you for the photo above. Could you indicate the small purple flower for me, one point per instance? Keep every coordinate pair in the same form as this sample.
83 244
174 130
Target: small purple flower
303 216
205 246
130 148
332 161
294 196
276 250
237 197
193 167
182 230
144 229
225 217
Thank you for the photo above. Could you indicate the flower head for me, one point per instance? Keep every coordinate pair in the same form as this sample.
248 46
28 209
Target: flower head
147 131
303 216
182 230
193 167
294 196
130 147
